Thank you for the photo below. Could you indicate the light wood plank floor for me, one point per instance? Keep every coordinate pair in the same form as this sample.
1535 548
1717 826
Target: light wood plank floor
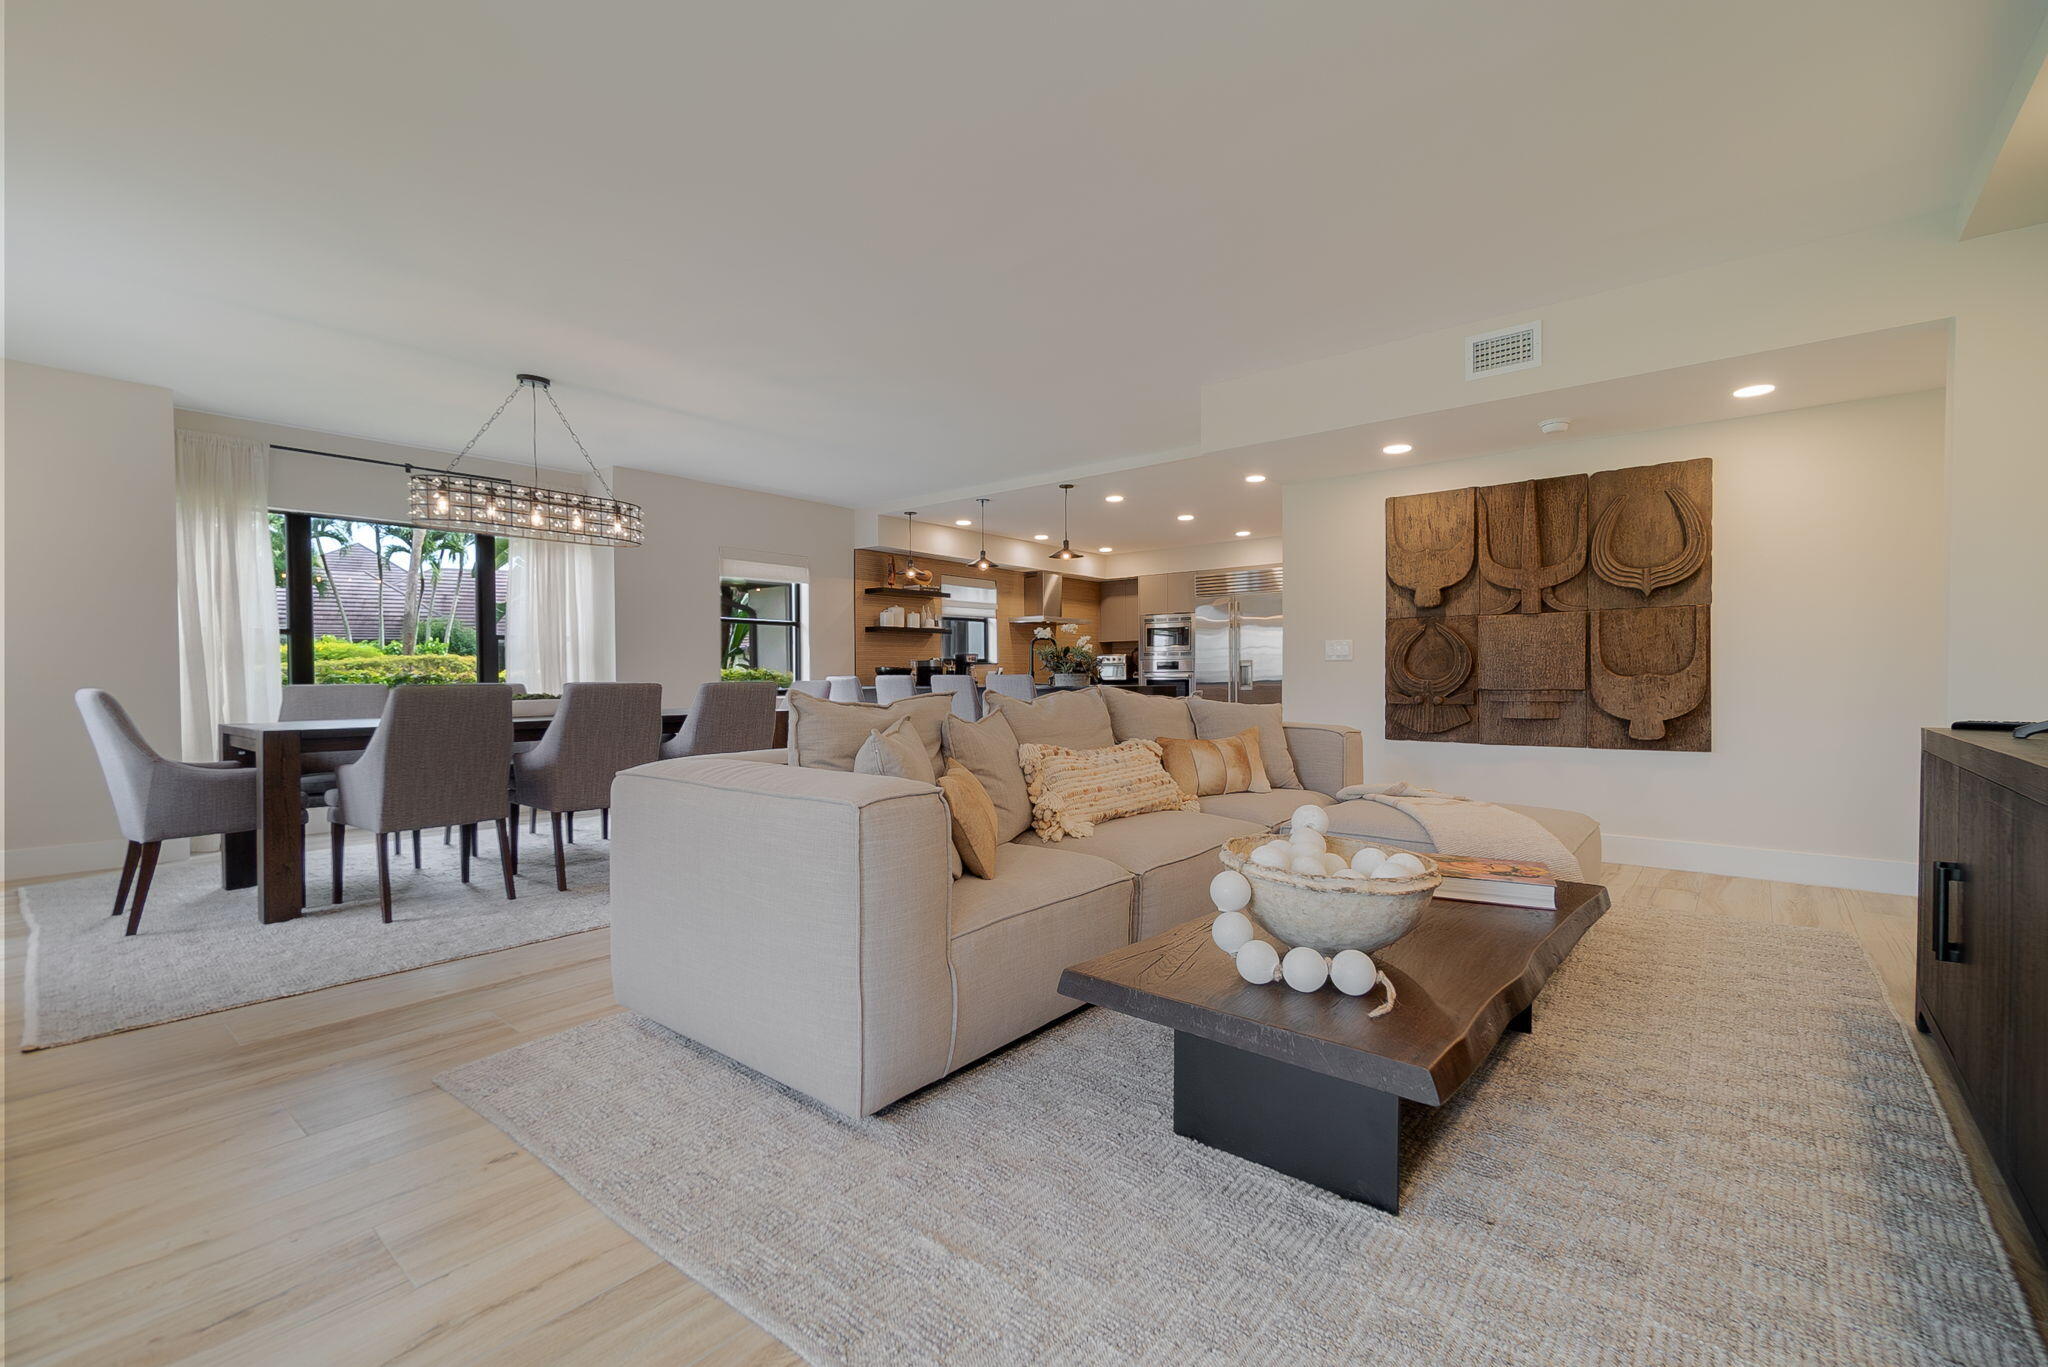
283 1183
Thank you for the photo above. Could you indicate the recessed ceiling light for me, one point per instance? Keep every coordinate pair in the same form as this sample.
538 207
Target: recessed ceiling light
1254 479
1244 533
1186 517
963 522
1399 448
1754 391
1112 498
1041 537
1105 549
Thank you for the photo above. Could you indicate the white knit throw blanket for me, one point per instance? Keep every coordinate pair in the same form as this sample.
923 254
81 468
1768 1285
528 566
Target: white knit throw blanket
1481 830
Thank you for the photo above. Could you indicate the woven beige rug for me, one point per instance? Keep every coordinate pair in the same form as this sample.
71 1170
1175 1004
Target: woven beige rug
203 949
1716 1148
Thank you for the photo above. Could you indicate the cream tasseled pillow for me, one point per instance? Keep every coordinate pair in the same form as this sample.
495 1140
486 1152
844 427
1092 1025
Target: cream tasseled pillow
1072 790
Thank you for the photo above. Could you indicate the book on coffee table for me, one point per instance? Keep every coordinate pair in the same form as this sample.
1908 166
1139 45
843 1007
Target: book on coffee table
1509 882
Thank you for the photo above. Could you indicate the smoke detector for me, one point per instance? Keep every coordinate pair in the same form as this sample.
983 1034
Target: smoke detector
1552 426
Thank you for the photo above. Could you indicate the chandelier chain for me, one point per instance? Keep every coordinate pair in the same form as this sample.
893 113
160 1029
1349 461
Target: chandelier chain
579 443
467 447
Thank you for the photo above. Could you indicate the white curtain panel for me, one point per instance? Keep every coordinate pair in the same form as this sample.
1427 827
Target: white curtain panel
558 615
227 588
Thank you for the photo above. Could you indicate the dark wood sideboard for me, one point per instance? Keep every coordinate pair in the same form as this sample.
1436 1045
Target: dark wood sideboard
1980 985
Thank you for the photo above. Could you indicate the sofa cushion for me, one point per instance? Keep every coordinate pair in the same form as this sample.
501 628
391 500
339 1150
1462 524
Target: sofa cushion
1072 790
827 735
1271 808
1215 720
1147 716
1077 720
974 820
1026 878
1206 767
1172 853
895 752
989 748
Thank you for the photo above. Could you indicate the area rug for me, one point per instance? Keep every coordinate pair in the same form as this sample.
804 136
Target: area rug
202 949
1716 1148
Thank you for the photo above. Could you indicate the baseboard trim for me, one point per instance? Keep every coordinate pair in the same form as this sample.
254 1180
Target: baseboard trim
91 856
1781 866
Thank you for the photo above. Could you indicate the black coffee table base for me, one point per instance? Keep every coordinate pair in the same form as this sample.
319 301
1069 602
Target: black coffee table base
1337 1135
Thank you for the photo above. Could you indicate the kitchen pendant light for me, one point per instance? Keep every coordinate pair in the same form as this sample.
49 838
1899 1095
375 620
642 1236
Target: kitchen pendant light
981 561
533 512
1065 552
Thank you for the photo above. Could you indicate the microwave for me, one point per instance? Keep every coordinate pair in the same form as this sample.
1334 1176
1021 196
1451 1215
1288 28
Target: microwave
1169 631
1113 668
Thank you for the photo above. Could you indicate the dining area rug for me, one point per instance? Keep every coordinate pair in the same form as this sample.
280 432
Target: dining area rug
201 948
1716 1147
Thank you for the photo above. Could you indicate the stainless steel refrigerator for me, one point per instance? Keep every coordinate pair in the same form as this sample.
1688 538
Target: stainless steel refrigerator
1237 647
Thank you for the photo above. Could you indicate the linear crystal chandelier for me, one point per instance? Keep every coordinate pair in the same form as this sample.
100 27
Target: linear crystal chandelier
501 507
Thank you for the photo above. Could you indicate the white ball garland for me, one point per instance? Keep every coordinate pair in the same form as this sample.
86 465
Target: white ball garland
1353 972
1309 817
1305 969
1306 839
1274 854
1368 859
1232 931
1230 891
1258 962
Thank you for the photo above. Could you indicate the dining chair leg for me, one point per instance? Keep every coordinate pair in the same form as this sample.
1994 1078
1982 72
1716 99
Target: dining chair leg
561 862
464 840
383 880
513 826
506 859
338 834
145 871
415 849
128 863
604 814
572 828
532 820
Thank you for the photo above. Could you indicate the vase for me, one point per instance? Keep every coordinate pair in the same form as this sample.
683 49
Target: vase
1069 680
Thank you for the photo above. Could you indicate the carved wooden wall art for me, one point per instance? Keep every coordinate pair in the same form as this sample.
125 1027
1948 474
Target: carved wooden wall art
1573 611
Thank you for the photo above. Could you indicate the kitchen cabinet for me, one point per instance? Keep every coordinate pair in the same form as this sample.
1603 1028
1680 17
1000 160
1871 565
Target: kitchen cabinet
1166 593
1119 610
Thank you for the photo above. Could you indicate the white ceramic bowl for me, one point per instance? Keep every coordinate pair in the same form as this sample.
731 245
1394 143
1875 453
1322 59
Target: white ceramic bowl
1331 913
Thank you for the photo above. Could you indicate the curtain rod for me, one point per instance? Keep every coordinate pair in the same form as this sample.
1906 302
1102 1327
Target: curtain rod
406 466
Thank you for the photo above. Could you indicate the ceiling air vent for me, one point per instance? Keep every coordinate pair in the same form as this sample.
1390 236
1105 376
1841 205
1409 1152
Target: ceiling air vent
1220 582
1495 353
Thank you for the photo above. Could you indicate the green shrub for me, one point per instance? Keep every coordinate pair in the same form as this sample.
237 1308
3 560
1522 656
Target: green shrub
338 648
756 676
397 669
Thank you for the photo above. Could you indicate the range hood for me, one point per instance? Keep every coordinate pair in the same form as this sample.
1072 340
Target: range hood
1050 593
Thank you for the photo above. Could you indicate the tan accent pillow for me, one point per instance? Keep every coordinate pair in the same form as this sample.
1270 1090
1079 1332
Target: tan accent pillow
1209 768
974 820
1072 790
1075 720
828 735
989 748
1147 716
895 753
1217 720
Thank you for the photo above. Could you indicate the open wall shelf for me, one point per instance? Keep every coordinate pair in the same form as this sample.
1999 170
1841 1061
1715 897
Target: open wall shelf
909 593
908 631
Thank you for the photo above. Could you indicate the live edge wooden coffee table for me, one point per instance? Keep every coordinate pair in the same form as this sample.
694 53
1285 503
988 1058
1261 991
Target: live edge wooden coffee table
1307 1083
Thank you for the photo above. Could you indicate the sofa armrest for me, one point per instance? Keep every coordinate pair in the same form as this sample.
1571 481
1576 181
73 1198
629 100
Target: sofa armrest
1326 756
793 919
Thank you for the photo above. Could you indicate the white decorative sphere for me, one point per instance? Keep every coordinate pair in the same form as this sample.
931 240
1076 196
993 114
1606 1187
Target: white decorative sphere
1230 891
1392 870
1311 841
1258 962
1231 931
1275 855
1304 969
1333 864
1353 972
1310 865
1309 817
1408 862
1354 875
1368 859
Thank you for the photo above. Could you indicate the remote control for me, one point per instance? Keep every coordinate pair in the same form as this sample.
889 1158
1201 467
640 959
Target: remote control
1985 725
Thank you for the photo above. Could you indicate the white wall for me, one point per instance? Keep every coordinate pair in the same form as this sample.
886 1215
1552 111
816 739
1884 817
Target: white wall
1830 576
667 591
1222 555
91 601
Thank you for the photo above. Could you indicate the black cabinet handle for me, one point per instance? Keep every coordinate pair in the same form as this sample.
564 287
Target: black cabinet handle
1946 873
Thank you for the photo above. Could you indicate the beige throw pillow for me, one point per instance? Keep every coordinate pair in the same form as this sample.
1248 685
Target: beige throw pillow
1217 720
895 753
1210 768
1076 720
1147 716
989 749
974 820
828 735
1073 790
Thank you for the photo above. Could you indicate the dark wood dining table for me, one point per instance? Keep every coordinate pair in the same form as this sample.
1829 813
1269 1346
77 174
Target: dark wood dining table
271 858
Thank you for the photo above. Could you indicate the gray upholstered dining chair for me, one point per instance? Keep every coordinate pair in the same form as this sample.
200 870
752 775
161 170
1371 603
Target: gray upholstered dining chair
816 688
158 799
1013 686
726 717
966 702
843 688
894 687
439 758
597 730
328 702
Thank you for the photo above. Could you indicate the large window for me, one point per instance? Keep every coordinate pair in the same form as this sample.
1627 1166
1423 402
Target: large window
969 617
761 621
373 602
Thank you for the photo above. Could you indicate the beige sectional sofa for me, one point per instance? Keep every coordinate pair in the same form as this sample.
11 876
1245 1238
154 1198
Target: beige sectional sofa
804 921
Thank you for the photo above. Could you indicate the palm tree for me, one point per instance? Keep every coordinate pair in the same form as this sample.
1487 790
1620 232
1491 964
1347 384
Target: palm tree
461 548
409 629
388 541
437 547
326 529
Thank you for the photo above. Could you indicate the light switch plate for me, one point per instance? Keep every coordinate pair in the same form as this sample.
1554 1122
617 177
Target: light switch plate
1336 650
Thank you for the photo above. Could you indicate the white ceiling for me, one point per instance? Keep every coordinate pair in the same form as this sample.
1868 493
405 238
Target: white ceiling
1213 487
858 251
